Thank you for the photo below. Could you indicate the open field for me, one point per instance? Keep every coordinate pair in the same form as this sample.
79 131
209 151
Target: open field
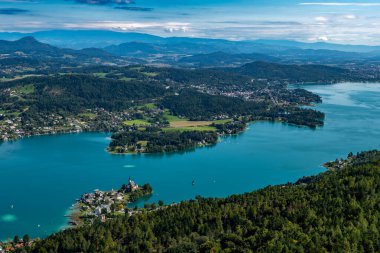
88 115
147 106
17 77
172 118
25 90
186 123
100 74
139 122
183 129
222 121
127 79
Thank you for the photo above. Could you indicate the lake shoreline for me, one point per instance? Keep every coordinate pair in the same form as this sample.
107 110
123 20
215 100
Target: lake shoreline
269 154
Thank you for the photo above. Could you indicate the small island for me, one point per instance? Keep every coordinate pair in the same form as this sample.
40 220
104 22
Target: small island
105 205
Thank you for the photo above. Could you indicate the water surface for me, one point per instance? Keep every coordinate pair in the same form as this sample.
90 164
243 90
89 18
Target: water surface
41 177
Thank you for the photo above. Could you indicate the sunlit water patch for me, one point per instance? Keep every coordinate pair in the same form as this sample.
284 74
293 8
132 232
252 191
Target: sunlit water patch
8 218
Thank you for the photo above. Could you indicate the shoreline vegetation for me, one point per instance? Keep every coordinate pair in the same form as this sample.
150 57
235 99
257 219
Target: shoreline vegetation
273 218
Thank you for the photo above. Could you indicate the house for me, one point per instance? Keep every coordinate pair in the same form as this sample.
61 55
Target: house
98 211
131 186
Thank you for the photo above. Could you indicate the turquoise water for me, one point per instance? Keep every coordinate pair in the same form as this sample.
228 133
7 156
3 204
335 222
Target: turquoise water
42 176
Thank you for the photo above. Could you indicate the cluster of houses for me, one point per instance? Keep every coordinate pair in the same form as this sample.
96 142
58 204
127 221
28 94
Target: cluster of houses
7 247
100 204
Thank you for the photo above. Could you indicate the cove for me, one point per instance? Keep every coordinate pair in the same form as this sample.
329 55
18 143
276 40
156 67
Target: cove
40 177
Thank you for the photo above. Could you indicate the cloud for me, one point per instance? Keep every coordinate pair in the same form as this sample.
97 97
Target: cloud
128 8
321 19
131 26
105 2
319 38
12 11
342 4
350 17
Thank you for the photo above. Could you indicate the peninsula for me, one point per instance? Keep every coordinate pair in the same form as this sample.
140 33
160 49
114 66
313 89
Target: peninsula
104 205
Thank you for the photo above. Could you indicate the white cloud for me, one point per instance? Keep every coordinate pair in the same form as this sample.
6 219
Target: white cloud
170 27
350 16
321 19
323 38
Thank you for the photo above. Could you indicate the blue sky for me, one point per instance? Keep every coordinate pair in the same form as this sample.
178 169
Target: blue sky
345 22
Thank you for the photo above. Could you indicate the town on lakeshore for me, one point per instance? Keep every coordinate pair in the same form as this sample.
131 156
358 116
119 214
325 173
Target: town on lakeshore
105 205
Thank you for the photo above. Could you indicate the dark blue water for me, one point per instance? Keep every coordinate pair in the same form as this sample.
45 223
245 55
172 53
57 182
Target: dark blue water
42 176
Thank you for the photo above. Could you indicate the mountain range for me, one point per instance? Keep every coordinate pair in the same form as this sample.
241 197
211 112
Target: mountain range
101 38
183 52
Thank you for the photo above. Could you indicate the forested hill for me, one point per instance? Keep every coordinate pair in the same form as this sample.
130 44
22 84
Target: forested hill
295 73
29 47
72 93
337 211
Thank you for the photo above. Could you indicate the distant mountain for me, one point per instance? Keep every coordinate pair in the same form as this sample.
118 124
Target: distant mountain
29 47
294 73
102 38
319 46
218 59
136 49
141 49
77 39
185 52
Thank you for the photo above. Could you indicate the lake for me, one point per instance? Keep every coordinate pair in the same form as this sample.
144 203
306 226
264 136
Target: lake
41 177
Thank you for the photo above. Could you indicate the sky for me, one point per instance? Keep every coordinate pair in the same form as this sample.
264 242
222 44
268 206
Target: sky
343 22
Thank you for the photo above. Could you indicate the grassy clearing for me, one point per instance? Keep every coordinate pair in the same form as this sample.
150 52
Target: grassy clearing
150 74
222 121
147 106
100 74
88 115
172 118
143 143
138 122
18 77
135 68
186 123
127 79
184 129
25 90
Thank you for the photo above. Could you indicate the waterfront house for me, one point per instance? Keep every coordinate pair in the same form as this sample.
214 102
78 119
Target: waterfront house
98 211
131 186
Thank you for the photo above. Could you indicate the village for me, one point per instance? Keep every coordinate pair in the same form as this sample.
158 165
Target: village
105 205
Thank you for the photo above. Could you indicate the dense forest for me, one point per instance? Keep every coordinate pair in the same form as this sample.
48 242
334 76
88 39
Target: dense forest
73 93
199 106
336 211
157 141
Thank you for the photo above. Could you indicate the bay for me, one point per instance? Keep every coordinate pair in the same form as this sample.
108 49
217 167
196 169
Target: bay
40 177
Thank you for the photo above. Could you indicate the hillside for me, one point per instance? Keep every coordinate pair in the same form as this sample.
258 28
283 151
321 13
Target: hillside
218 59
337 211
295 73
29 47
72 93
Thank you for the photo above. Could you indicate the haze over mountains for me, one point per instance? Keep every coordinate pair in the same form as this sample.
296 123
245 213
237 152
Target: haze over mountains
102 38
108 47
